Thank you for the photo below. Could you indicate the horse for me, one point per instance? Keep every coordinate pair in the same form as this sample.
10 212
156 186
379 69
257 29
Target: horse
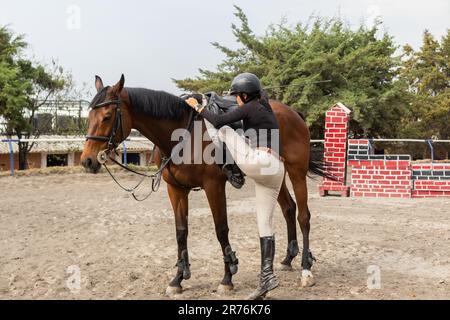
116 110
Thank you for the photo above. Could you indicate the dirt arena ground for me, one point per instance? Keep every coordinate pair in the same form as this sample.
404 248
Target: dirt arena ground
127 250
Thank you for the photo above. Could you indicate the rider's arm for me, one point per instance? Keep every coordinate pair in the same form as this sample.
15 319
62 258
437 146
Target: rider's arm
220 120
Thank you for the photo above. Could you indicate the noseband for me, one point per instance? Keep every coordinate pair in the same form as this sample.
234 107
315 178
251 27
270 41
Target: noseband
112 145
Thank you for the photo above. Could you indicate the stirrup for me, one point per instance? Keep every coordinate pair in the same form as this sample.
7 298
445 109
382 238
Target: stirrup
236 179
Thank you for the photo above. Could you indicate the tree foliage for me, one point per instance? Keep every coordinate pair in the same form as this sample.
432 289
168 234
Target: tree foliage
314 65
24 87
427 73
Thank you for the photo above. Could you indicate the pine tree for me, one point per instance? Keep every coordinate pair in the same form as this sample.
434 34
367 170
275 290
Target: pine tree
315 65
427 73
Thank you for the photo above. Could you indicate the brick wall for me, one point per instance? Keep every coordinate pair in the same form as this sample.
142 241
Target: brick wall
375 175
378 175
34 161
5 163
335 150
431 180
375 178
394 175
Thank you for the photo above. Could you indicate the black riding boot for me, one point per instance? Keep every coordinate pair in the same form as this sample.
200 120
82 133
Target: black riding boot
268 280
234 175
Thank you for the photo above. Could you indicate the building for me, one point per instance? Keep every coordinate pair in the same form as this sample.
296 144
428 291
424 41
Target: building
67 152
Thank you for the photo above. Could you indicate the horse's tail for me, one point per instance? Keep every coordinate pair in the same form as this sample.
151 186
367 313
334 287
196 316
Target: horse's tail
318 166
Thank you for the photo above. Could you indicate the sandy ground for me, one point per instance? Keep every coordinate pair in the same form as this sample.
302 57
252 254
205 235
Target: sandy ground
127 250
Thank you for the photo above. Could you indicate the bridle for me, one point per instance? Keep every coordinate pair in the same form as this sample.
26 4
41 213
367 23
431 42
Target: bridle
105 155
112 145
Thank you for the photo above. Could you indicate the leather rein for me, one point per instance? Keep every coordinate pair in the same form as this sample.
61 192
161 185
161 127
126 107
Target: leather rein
105 155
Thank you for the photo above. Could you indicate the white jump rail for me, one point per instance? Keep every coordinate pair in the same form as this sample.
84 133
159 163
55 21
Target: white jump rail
75 140
407 140
146 140
392 140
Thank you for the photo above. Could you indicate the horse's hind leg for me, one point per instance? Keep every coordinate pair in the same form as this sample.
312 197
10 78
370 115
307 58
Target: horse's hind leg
215 192
288 207
301 194
179 200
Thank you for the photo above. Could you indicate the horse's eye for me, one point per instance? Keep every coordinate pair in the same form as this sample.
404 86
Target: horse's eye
106 118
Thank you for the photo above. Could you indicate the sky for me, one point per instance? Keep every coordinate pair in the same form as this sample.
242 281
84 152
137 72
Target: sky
152 42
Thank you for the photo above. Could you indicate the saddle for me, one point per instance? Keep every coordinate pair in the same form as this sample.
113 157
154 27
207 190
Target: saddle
221 105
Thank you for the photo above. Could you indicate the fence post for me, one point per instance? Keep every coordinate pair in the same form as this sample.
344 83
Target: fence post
335 150
430 144
371 149
125 160
11 156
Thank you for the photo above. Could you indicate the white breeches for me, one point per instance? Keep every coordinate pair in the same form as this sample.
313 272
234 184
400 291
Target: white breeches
265 169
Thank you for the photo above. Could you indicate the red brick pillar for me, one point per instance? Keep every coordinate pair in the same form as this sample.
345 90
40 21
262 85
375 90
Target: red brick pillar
335 157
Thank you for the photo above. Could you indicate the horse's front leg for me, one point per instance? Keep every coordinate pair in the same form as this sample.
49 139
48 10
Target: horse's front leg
215 192
179 200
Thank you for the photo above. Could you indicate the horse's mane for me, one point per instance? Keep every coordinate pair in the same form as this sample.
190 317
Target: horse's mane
157 104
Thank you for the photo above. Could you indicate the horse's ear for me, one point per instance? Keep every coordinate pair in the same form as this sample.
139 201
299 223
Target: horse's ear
98 83
119 85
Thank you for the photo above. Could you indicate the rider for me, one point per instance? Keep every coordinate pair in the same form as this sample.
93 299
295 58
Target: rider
259 160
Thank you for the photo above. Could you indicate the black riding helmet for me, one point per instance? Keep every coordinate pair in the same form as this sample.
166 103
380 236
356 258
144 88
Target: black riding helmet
246 83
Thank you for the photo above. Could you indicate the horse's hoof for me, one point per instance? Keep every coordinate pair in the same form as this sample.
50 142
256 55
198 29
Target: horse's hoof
285 267
172 291
307 279
225 288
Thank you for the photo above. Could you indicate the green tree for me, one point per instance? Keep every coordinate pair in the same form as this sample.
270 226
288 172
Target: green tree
427 73
312 66
25 86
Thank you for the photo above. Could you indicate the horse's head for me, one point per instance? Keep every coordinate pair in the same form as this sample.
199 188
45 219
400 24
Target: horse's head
109 123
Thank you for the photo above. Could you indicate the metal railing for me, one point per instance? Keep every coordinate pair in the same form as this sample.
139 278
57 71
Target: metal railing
51 140
429 143
10 142
57 117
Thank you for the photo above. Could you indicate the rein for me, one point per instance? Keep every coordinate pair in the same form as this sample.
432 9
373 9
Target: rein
105 155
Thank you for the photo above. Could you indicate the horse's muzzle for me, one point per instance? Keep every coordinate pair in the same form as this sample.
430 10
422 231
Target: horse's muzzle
91 165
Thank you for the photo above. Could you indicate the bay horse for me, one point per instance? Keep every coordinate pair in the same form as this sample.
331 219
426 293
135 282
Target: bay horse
116 110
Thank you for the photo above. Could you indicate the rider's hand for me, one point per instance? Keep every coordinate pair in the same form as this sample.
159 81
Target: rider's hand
192 102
